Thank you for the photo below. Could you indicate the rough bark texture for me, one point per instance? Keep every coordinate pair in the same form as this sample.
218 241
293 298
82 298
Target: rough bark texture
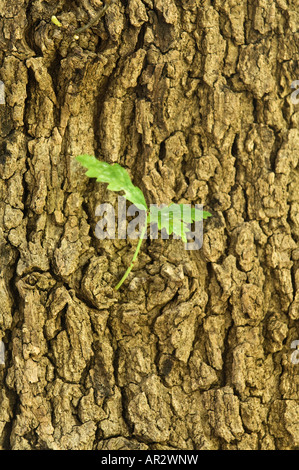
193 97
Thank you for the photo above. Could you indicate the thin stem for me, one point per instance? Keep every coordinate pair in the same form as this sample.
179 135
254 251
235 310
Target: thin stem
134 257
95 19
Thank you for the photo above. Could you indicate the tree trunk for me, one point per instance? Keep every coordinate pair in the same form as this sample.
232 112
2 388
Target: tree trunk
197 350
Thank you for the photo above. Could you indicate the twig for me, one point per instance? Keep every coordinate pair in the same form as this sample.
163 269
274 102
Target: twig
95 19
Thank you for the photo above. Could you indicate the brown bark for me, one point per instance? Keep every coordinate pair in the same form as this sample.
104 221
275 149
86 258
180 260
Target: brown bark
193 97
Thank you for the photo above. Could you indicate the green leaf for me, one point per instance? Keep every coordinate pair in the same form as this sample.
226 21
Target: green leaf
175 220
116 176
197 214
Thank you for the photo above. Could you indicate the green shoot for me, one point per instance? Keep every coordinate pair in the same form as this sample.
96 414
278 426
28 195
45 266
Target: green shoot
56 21
171 217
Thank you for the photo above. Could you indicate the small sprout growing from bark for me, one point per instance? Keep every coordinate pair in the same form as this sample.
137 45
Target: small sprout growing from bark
56 21
95 19
171 218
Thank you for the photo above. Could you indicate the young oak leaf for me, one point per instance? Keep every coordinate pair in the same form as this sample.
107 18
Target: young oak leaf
197 214
116 176
176 218
169 218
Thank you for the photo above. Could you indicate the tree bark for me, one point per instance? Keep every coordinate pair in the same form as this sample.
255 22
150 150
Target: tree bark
195 351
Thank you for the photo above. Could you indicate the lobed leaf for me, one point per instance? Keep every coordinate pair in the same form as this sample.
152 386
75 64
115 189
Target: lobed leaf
116 176
175 220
